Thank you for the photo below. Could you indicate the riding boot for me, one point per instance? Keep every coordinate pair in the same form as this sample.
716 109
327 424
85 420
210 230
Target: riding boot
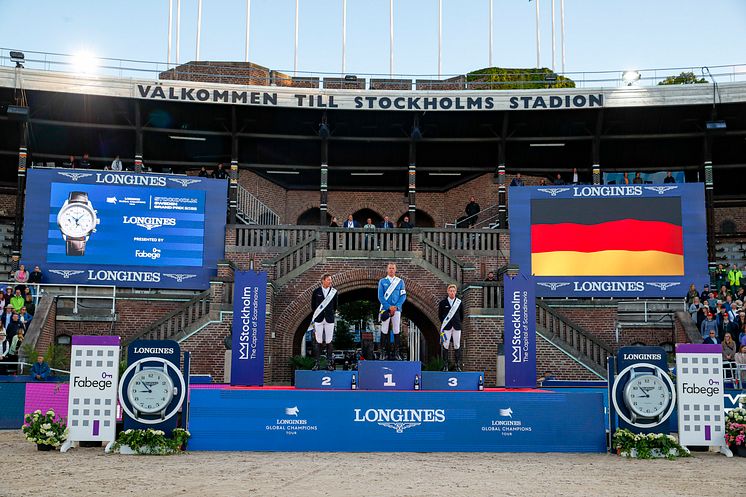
444 356
330 357
316 353
397 343
459 366
384 346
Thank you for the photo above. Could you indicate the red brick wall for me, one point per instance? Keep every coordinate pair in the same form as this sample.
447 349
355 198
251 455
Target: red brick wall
550 358
735 214
207 349
7 205
600 321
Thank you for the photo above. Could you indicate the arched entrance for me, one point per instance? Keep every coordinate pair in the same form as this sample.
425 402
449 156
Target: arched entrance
424 220
411 311
362 215
311 216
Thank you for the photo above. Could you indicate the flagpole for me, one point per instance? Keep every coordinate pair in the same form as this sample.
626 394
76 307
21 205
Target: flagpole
344 36
553 37
295 53
391 38
170 32
490 51
538 37
562 23
199 25
178 28
248 27
440 36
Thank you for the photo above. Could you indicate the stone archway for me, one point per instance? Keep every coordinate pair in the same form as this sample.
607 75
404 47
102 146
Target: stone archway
421 306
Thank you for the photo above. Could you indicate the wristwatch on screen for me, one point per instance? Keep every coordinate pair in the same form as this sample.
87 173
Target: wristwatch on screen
77 220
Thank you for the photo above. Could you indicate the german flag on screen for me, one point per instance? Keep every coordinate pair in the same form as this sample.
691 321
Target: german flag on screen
607 237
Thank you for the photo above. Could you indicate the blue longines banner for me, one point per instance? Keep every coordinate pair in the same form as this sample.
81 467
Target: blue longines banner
124 229
361 421
249 322
520 332
610 240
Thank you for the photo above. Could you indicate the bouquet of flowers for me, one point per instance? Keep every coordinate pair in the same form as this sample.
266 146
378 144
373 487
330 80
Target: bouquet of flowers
44 429
647 445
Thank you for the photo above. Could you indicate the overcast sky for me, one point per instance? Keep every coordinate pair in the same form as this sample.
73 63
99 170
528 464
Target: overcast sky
600 34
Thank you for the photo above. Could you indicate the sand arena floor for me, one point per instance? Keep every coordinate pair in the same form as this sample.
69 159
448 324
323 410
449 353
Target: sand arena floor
89 472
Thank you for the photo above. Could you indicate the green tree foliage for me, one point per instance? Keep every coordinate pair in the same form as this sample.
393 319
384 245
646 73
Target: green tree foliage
499 78
343 339
685 78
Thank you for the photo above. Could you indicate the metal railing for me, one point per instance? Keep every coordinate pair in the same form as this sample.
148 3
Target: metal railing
21 365
588 347
360 239
69 291
253 211
651 312
456 240
260 76
176 321
258 236
485 218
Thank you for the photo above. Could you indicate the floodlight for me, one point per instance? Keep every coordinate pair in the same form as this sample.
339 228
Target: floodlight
350 77
18 57
630 77
84 63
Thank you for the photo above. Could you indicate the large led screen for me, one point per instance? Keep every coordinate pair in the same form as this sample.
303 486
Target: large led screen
610 241
124 229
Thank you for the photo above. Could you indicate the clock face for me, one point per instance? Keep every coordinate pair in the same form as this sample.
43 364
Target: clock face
647 396
76 220
150 391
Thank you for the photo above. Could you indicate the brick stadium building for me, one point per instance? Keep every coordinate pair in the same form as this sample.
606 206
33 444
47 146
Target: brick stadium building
303 150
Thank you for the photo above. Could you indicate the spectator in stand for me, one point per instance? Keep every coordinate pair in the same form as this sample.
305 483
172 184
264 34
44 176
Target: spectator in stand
14 326
6 316
734 278
741 359
219 173
729 348
712 338
116 164
333 223
558 180
490 276
472 211
386 224
370 237
24 316
34 279
695 308
740 319
575 178
638 179
70 162
720 276
727 327
30 306
708 325
351 223
405 224
625 179
705 294
517 181
21 277
15 261
85 162
712 302
542 182
16 344
40 371
691 294
203 173
8 294
17 301
669 178
4 349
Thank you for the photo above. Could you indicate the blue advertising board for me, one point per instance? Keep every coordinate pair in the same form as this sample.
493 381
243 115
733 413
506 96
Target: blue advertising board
124 229
249 324
389 375
363 421
325 380
520 332
610 240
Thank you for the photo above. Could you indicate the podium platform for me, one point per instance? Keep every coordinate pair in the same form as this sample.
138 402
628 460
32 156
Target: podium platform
464 381
325 380
390 375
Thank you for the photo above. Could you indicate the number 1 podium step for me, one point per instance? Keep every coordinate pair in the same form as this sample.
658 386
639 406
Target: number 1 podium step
390 375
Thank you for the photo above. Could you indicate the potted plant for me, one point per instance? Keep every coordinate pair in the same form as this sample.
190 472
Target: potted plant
152 442
735 431
647 445
44 430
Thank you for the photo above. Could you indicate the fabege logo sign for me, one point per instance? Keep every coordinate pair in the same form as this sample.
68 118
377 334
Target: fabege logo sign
85 382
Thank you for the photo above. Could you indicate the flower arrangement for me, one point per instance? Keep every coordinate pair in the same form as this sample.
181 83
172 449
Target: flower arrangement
152 441
44 429
647 445
735 427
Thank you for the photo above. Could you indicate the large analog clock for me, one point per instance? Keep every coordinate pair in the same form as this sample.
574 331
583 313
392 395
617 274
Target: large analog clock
151 390
643 395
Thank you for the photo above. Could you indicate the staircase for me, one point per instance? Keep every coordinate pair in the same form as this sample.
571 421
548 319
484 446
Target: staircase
189 317
584 348
251 210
